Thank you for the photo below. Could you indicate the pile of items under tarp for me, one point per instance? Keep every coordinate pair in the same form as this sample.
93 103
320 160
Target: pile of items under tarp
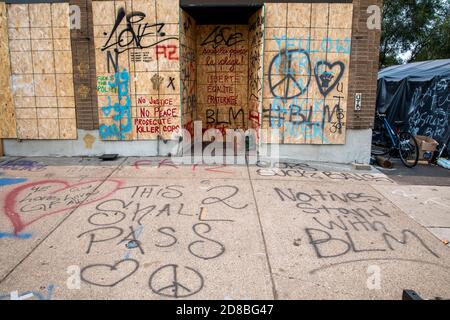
419 95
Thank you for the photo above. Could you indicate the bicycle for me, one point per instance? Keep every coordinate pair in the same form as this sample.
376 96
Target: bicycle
400 143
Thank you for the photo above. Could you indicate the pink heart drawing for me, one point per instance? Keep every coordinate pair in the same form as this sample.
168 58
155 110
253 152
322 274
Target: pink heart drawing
48 197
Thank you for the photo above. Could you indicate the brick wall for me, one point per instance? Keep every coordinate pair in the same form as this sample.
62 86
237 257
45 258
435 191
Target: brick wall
363 66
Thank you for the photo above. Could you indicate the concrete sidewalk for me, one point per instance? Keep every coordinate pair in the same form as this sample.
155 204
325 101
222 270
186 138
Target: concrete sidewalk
146 228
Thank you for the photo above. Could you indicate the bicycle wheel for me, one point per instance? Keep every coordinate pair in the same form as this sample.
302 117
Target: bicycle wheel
381 142
380 147
379 150
408 149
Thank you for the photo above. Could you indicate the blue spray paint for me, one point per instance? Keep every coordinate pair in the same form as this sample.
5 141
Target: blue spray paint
327 44
10 181
133 244
37 295
23 165
15 236
121 111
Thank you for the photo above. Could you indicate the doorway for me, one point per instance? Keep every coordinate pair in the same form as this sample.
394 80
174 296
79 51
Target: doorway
221 59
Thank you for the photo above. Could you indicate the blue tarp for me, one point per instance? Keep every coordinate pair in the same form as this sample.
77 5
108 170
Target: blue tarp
417 71
418 94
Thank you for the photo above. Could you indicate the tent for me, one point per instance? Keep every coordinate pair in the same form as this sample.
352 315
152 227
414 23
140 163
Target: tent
418 94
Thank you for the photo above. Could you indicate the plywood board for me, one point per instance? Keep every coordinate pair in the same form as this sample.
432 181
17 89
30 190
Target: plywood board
138 77
306 70
255 71
41 67
222 89
7 112
188 68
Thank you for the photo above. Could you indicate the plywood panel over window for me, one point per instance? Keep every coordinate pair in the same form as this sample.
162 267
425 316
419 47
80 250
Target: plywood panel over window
306 64
7 113
138 71
41 68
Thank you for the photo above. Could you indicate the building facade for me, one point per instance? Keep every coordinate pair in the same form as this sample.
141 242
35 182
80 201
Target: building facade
88 77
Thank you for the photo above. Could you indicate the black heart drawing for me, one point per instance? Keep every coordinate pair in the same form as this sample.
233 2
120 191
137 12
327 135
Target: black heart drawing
110 268
327 84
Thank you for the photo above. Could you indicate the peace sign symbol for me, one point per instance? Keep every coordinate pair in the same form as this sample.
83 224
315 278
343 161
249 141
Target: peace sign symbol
284 64
160 284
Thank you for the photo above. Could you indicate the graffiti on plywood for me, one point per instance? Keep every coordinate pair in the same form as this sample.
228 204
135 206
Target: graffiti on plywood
137 53
307 76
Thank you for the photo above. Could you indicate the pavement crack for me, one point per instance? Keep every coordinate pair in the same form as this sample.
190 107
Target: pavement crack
274 290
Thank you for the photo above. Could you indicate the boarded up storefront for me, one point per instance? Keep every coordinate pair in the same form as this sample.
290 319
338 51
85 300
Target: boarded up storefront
144 71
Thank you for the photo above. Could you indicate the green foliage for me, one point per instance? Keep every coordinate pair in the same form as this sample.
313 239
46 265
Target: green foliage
414 30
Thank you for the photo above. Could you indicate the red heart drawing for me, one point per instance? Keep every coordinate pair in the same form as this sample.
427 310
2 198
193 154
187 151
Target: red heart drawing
46 198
